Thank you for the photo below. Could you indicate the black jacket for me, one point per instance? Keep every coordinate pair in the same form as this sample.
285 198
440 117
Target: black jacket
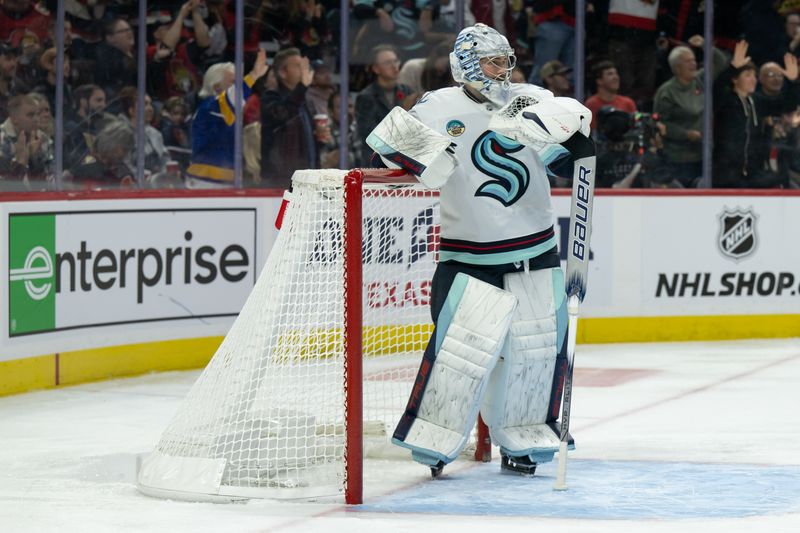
371 107
114 70
741 138
287 138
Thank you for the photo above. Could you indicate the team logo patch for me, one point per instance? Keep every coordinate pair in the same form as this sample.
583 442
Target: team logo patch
737 233
455 128
491 155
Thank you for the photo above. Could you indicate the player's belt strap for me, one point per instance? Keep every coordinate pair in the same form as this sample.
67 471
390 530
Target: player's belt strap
495 247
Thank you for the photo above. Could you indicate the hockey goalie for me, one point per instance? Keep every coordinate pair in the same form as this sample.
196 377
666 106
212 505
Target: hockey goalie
498 298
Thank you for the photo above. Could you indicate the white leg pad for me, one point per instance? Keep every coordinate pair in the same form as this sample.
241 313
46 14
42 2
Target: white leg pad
470 333
516 403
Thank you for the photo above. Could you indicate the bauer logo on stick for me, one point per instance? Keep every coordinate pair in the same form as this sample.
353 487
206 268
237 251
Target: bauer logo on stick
737 233
581 214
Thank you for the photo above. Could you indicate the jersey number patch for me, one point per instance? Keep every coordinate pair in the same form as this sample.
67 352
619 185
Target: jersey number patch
510 176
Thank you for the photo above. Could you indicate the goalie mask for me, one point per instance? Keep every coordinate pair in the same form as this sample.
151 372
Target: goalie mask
481 45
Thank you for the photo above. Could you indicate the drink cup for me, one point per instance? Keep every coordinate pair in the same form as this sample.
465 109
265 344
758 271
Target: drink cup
321 120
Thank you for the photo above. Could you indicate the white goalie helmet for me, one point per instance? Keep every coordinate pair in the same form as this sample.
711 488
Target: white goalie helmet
478 42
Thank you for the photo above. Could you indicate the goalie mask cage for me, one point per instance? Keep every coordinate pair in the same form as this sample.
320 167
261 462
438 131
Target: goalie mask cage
317 368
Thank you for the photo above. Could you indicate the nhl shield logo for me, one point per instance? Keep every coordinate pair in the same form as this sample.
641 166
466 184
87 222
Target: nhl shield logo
737 233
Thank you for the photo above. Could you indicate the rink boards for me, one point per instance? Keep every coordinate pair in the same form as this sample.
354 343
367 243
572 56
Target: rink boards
93 287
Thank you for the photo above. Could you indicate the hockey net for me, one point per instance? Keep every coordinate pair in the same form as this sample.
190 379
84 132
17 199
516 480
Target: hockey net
283 407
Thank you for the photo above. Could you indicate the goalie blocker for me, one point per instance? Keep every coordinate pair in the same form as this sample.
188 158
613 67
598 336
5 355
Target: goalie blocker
404 142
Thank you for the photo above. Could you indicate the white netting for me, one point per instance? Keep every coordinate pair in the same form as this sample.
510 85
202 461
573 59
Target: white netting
268 410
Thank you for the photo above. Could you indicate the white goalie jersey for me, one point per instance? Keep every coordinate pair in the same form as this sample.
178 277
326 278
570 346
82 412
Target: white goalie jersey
495 207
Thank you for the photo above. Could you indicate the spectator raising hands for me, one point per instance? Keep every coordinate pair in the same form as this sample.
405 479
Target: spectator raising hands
680 102
213 126
741 147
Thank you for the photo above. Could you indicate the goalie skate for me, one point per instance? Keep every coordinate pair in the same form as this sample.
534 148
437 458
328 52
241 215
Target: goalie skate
522 466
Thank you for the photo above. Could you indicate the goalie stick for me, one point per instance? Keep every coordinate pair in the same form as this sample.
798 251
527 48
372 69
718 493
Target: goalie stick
580 232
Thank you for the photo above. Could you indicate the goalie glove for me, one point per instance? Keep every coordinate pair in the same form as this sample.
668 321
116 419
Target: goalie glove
404 142
535 122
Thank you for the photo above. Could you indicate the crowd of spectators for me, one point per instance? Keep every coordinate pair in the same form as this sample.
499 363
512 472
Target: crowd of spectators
644 65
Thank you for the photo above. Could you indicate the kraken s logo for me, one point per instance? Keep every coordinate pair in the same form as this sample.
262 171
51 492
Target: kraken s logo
510 177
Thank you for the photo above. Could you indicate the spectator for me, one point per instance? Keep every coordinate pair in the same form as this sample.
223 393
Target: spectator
83 26
555 78
89 105
631 46
321 88
48 85
430 73
741 145
607 80
26 153
289 137
10 84
436 70
175 129
212 163
380 96
51 34
306 28
88 118
680 19
411 73
411 28
155 153
679 103
172 62
792 29
116 65
109 167
786 149
448 16
784 155
29 71
330 152
221 23
764 28
494 14
21 20
260 25
47 122
775 97
555 35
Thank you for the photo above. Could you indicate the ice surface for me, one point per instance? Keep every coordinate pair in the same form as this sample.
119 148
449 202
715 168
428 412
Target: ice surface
670 437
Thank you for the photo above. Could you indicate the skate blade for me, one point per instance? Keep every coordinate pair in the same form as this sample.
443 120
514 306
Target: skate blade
436 471
517 473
